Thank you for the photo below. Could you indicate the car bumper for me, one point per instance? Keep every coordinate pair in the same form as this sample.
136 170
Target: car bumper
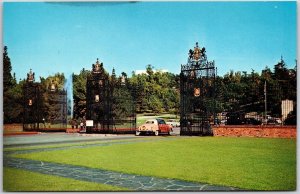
145 131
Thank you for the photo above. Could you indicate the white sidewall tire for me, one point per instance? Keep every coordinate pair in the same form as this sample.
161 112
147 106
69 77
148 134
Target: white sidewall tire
137 133
156 133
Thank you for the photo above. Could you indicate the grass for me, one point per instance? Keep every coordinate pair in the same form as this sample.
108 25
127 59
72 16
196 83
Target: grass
247 163
22 180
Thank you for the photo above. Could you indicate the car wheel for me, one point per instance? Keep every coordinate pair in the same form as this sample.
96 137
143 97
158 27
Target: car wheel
156 133
137 133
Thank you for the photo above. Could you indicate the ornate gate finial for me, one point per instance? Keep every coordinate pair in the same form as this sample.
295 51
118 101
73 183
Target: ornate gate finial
197 52
30 76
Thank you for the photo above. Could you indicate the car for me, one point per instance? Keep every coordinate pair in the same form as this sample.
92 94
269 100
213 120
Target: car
154 126
173 123
252 121
274 121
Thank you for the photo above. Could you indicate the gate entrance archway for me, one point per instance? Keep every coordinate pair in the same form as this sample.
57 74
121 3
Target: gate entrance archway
111 106
197 94
44 109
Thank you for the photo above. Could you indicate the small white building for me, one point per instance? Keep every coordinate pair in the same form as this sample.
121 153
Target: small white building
138 72
287 106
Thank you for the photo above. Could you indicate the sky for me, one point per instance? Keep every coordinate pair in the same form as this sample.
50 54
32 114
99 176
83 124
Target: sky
127 36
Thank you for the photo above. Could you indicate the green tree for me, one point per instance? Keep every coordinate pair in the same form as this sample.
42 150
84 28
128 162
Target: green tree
12 93
51 87
13 104
8 80
79 93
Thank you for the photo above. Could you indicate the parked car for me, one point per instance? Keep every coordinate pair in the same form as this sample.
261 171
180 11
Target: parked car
234 118
252 121
154 126
274 121
173 123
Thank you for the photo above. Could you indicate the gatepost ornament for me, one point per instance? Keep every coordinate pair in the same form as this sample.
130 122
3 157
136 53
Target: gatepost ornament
30 76
97 98
197 52
196 92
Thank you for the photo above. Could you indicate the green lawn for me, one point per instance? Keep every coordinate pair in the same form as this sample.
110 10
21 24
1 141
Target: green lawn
22 180
248 163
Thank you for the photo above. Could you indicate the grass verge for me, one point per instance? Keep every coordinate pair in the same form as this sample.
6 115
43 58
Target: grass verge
247 163
22 180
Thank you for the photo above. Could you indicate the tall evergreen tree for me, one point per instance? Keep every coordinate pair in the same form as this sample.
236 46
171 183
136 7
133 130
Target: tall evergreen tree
12 93
8 80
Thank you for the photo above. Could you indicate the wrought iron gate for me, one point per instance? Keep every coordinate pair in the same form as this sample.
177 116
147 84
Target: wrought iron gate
197 94
55 114
123 105
43 113
110 103
31 104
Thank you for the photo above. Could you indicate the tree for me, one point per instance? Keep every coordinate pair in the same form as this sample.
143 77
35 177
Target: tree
12 93
79 93
51 90
13 104
122 103
8 80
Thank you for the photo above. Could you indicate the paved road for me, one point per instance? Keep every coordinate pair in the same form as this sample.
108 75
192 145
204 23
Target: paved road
50 138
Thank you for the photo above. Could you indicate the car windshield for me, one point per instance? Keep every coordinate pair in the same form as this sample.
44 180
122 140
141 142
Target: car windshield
160 121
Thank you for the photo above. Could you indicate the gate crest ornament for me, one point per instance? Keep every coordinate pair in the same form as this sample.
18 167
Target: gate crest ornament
196 92
197 52
98 67
30 76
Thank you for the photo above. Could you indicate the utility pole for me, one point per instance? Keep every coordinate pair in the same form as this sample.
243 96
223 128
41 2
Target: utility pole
265 92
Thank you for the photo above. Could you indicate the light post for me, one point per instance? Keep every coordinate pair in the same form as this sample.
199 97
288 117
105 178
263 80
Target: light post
265 93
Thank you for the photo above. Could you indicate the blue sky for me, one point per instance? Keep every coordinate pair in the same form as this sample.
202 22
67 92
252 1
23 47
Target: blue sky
66 37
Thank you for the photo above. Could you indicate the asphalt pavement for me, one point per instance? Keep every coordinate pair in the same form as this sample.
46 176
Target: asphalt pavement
51 138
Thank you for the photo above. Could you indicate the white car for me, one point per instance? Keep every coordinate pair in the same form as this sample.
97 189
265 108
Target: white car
156 126
173 123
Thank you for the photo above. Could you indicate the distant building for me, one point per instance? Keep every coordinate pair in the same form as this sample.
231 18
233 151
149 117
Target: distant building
286 108
138 72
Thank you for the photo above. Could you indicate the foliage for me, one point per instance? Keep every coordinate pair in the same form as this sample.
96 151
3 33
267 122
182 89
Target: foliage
241 92
12 93
21 180
247 163
122 103
79 93
8 80
158 92
50 88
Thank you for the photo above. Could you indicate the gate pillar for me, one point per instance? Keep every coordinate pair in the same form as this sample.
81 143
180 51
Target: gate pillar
197 94
98 100
31 104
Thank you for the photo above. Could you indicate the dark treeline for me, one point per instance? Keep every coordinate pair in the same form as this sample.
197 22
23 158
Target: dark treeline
240 92
159 92
13 94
